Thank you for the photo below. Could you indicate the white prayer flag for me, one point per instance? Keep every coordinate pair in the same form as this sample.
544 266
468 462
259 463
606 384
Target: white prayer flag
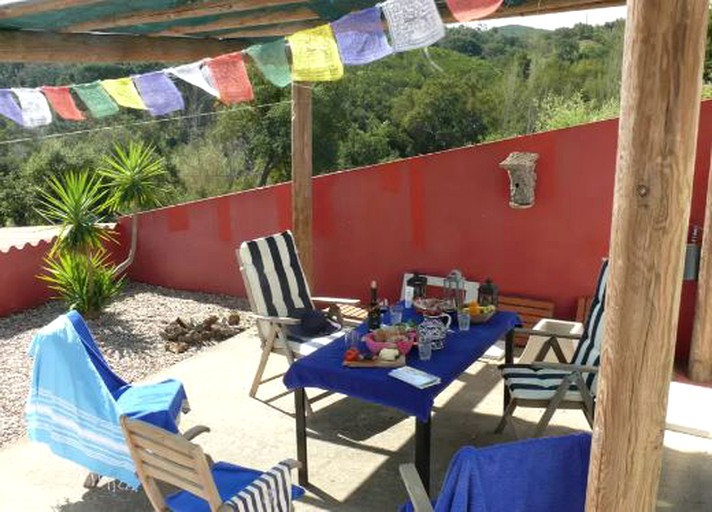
413 23
197 75
34 106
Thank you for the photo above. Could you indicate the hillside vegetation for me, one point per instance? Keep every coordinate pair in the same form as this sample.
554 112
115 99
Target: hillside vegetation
475 85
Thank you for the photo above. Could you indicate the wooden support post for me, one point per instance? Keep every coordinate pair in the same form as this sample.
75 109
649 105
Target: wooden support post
660 103
700 367
302 175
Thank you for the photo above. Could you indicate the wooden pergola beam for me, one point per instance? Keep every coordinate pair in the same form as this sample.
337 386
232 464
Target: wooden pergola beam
32 46
700 361
40 6
231 22
283 29
660 104
537 7
194 10
302 176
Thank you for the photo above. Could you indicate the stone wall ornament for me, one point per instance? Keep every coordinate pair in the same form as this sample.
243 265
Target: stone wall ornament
521 168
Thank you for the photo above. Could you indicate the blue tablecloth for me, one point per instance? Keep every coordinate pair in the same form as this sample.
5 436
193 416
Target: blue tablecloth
323 369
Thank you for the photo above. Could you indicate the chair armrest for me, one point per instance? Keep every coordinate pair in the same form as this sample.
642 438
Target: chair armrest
335 300
283 320
414 486
195 431
565 367
534 332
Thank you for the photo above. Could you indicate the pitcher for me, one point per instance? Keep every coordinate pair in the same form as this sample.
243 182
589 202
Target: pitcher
435 328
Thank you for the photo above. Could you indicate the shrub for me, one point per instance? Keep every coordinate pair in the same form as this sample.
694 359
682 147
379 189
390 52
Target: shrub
84 283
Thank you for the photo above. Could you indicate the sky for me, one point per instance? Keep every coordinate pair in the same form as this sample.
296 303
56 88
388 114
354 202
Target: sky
561 19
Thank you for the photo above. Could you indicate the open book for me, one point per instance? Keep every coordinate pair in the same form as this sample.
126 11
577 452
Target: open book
415 377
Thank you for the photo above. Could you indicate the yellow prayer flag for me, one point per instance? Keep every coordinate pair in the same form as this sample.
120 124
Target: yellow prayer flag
315 55
123 91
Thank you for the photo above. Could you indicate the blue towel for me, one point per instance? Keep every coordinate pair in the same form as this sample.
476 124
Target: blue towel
536 475
75 401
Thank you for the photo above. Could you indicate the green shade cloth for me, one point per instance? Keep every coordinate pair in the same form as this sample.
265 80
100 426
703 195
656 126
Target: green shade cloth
96 99
271 59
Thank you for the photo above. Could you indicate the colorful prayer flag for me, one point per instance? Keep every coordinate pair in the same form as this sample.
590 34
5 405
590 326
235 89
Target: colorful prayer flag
9 107
96 99
315 55
468 10
271 59
413 23
195 74
361 38
230 78
34 106
159 93
124 92
62 102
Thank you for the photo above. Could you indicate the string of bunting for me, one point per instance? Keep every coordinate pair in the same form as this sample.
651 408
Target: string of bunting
317 54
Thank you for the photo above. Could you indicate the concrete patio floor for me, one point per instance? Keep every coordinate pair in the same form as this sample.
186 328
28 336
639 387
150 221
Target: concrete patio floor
354 447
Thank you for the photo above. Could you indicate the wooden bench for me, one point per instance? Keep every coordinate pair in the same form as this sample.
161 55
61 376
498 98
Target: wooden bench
530 311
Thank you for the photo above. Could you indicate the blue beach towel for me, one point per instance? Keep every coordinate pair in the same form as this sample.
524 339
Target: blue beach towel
75 401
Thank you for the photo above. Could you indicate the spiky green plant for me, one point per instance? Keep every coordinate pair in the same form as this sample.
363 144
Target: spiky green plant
76 203
85 283
135 179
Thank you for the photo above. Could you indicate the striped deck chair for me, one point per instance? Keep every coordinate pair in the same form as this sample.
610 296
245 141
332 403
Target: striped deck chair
557 385
277 290
160 455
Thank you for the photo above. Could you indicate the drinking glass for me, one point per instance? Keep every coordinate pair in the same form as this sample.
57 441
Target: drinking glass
351 339
463 320
396 314
425 348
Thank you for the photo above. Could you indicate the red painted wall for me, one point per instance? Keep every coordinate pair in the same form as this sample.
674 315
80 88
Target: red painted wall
19 288
430 213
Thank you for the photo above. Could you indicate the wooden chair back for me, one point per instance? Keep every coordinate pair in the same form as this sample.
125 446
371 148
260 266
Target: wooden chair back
530 311
160 455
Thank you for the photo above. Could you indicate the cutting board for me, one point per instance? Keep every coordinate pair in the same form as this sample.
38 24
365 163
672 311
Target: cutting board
376 363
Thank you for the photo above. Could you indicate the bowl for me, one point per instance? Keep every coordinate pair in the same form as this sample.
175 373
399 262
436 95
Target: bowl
403 345
430 306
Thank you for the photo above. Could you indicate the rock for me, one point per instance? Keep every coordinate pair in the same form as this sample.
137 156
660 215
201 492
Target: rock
177 347
233 318
208 322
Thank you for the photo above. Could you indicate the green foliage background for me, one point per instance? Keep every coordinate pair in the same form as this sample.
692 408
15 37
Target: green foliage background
475 85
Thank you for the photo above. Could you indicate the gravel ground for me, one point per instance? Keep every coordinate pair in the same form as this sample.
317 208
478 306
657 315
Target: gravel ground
127 334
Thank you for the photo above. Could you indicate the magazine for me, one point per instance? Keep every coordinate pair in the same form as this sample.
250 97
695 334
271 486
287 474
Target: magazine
415 377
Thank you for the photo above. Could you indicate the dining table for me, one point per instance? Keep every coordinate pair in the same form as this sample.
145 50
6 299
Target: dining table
324 369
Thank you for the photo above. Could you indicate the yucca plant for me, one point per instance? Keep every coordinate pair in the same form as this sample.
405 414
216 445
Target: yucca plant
134 178
86 283
77 203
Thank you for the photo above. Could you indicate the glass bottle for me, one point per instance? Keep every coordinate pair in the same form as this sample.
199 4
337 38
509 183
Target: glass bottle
374 309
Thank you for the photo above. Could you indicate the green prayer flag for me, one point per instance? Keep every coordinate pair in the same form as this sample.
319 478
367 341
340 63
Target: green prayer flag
271 58
96 99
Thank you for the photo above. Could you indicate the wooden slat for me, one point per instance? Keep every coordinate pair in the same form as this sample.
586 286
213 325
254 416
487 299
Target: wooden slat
283 29
32 46
663 57
235 22
41 6
180 470
530 311
160 473
192 10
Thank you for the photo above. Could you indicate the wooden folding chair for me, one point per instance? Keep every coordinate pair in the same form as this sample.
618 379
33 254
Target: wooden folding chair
570 385
161 456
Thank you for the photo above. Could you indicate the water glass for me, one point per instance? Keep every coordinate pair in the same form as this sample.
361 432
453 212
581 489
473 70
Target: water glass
425 348
396 314
351 339
463 320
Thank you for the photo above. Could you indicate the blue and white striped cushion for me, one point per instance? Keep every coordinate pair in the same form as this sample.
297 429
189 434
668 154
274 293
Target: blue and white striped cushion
529 383
304 345
274 275
270 492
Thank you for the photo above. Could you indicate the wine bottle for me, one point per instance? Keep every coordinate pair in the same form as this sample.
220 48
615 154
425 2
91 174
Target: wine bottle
374 310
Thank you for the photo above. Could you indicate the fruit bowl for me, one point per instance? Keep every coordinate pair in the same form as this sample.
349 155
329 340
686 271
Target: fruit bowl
390 338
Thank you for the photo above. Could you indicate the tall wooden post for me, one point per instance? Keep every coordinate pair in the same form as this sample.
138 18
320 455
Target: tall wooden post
660 103
302 175
700 368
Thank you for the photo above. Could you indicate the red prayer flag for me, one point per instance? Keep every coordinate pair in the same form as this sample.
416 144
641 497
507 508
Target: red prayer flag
230 78
62 102
468 10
